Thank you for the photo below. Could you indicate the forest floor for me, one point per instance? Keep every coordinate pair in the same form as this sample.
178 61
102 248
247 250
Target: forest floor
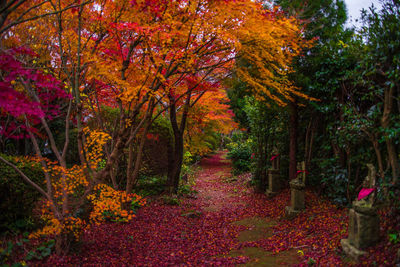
225 224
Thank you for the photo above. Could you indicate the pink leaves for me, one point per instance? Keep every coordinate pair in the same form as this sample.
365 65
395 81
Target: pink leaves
20 88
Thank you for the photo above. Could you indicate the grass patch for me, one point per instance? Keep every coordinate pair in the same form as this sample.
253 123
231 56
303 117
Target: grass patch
261 257
259 228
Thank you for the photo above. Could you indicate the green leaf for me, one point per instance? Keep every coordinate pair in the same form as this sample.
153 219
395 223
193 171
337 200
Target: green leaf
30 255
46 252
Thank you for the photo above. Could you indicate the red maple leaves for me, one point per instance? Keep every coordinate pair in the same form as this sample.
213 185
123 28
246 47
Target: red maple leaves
26 93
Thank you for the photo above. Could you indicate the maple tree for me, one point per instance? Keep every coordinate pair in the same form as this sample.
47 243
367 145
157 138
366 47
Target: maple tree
139 59
206 119
33 97
108 69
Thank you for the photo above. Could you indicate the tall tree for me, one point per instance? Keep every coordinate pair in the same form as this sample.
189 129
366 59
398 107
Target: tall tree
322 21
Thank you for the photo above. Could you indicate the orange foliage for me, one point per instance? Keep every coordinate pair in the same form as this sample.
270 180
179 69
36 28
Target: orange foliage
270 42
128 52
71 183
94 145
111 205
211 115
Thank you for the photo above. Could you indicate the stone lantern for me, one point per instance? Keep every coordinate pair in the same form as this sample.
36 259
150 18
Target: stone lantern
297 191
363 220
274 178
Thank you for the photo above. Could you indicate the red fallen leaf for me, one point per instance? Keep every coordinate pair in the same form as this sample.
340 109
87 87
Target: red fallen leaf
160 236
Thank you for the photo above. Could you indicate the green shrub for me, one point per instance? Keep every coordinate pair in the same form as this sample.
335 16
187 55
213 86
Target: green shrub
72 156
240 153
151 186
18 198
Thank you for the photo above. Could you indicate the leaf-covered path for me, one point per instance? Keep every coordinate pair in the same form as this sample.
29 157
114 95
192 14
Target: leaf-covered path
225 224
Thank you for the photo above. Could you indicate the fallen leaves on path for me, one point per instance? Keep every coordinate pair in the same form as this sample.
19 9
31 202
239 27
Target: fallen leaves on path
163 235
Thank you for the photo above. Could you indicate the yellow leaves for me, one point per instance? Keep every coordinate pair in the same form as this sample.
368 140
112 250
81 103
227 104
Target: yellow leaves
269 44
56 227
95 141
342 44
66 184
110 204
131 93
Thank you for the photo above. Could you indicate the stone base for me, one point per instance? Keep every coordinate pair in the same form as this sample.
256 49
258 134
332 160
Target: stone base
363 229
275 182
297 195
291 213
351 250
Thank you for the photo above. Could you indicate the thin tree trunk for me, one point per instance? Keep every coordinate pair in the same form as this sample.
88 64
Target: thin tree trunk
133 176
293 129
385 122
378 154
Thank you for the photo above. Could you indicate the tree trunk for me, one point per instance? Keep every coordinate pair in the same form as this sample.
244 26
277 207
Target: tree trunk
175 163
133 176
63 243
293 129
175 153
385 122
378 154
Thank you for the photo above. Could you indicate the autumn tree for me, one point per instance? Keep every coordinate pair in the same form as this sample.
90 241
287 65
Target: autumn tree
43 82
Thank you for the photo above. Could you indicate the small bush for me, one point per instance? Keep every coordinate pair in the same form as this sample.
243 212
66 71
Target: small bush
17 197
334 181
151 186
171 200
240 153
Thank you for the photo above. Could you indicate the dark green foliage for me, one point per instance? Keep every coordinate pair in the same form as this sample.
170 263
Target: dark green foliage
186 190
18 198
236 93
268 130
150 186
155 158
334 183
42 251
171 200
23 247
240 152
212 140
72 152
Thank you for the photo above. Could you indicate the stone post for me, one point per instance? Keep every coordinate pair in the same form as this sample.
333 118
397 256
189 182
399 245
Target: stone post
297 187
363 222
274 178
297 199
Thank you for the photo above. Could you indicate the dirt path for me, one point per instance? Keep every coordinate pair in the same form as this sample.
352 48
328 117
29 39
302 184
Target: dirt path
226 224
221 192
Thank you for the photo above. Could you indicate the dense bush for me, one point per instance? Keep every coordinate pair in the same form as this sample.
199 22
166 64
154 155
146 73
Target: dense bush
240 152
151 185
155 156
18 198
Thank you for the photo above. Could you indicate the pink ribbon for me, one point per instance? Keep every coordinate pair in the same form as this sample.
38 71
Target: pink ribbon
365 192
274 157
300 171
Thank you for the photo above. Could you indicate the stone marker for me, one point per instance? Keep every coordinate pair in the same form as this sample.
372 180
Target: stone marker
297 187
275 182
363 221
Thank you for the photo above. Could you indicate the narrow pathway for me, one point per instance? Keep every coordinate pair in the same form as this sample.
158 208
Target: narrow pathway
225 224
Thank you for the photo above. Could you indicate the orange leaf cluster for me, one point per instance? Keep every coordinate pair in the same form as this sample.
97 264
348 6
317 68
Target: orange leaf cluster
112 205
94 145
